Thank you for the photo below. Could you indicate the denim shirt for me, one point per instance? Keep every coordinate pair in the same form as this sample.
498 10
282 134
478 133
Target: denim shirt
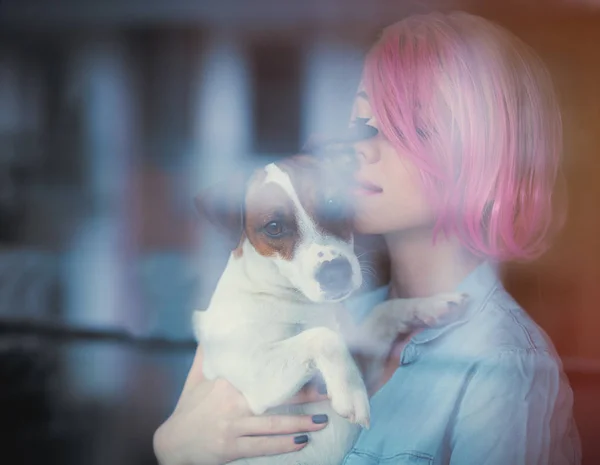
486 389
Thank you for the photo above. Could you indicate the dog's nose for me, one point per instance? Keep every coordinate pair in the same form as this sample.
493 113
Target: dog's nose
334 276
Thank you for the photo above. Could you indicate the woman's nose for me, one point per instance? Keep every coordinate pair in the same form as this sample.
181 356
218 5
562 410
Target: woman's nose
367 152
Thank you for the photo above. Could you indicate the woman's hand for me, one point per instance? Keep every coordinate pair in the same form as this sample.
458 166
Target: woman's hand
212 425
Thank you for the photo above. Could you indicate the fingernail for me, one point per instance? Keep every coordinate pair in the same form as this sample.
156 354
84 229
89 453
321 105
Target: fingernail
322 389
320 419
302 439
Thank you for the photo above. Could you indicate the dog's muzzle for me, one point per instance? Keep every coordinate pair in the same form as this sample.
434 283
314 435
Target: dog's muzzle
335 278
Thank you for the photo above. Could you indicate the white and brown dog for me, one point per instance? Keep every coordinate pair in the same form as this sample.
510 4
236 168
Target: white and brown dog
271 324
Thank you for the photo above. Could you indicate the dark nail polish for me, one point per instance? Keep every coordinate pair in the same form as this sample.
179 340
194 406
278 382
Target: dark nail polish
322 389
320 419
302 439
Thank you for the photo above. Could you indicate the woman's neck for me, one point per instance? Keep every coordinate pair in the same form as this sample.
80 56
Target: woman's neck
420 268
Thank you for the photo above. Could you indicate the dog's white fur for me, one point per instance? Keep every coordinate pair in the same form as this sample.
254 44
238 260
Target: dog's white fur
269 329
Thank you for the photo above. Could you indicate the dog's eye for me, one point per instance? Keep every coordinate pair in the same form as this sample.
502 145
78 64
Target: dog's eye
273 229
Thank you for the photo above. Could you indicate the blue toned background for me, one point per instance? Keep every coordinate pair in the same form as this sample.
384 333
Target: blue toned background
113 115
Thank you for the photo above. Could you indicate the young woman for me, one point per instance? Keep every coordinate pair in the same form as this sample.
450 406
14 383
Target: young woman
457 175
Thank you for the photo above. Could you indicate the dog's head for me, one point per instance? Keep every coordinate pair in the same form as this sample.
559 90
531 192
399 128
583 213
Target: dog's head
297 213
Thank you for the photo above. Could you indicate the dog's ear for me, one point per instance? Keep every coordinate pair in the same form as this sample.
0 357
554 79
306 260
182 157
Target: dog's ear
222 204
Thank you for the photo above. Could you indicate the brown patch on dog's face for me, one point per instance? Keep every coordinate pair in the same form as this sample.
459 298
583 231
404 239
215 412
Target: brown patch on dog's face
271 224
265 214
322 189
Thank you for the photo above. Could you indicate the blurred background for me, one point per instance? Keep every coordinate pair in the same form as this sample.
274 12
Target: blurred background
114 114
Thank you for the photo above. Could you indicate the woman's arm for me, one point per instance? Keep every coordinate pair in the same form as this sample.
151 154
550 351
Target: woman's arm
212 425
516 410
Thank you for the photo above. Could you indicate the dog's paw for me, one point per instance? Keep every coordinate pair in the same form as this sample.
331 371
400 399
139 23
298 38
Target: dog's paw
436 309
351 401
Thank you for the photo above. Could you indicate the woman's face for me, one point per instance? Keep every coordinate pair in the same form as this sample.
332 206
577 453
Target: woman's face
389 197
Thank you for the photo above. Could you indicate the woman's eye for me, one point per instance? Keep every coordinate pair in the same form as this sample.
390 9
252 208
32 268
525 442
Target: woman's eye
371 122
364 128
273 229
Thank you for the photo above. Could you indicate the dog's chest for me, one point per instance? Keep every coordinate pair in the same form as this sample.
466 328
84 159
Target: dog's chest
263 319
292 320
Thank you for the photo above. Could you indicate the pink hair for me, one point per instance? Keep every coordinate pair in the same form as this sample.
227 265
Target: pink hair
474 108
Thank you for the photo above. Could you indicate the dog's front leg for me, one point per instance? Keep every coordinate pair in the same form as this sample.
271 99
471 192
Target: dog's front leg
373 339
401 316
285 366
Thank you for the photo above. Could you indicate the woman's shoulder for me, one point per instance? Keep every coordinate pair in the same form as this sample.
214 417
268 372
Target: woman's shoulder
502 326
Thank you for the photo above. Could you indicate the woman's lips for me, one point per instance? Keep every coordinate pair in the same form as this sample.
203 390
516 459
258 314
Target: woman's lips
363 187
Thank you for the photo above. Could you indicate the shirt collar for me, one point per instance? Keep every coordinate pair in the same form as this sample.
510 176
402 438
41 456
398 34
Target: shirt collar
479 286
